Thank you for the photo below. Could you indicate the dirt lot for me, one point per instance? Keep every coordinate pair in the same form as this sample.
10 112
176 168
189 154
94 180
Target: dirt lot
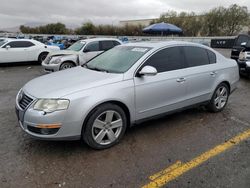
145 150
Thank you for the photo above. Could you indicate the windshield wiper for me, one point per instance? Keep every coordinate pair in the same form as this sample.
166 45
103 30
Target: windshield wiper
95 68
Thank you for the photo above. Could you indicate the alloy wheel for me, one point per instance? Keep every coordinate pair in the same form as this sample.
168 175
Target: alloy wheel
107 127
221 97
66 66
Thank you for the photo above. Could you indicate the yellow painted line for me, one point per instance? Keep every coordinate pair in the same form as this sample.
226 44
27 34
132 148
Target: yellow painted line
177 169
170 168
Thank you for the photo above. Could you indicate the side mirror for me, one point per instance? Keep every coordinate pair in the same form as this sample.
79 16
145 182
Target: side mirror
85 50
148 71
7 47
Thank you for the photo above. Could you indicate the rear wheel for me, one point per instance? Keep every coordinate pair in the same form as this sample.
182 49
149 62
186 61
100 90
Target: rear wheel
105 127
42 57
219 99
66 65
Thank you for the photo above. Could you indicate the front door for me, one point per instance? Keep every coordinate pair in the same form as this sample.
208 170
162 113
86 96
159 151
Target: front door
13 52
166 91
91 50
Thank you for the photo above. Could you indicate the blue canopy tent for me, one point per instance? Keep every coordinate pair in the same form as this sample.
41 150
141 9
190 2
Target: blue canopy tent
162 29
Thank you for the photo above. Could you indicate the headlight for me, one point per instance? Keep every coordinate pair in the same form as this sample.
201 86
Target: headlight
51 105
242 56
55 60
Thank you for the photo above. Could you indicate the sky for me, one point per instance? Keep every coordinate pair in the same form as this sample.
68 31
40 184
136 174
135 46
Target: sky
75 12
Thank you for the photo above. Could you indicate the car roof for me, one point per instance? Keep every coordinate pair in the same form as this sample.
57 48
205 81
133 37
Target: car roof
13 39
161 44
98 39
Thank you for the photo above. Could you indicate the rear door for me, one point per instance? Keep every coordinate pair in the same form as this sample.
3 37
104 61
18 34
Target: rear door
202 70
166 91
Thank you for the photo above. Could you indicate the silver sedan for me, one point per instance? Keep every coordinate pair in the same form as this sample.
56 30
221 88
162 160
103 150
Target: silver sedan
122 87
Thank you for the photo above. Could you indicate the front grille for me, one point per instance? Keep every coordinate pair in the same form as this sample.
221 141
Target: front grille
25 101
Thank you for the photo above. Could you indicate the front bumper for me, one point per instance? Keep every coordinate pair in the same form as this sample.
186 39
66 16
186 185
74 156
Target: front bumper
51 67
30 121
244 66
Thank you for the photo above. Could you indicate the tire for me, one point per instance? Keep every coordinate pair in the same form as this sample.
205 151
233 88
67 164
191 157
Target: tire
219 98
42 57
66 65
105 126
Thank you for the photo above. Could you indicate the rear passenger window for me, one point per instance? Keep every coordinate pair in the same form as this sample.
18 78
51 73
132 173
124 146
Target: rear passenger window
106 45
19 44
166 60
211 57
196 56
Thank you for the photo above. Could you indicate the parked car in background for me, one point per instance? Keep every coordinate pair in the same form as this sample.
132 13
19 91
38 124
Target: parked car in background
237 47
123 86
56 43
23 50
78 53
244 59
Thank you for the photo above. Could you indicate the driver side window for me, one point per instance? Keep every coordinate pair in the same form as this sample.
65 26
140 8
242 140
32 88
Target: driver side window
92 47
167 59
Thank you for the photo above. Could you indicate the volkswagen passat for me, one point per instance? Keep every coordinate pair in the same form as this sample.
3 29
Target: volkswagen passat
124 86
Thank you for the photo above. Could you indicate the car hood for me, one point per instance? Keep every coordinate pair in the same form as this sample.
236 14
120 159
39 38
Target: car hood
59 84
63 52
53 47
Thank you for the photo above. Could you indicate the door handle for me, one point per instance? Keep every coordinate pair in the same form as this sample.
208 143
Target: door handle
180 80
213 73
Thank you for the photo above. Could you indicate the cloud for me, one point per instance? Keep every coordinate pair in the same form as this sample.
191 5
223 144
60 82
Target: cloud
17 12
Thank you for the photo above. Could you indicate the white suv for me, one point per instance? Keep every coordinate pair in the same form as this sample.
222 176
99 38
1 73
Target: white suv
23 50
78 53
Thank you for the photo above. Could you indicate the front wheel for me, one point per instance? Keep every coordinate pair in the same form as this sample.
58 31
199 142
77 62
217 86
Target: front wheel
219 98
105 127
66 65
42 57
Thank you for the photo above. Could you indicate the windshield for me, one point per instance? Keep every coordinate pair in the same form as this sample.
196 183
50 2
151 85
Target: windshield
77 46
118 59
2 41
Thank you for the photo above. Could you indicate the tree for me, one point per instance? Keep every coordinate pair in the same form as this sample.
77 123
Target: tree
188 22
225 21
54 28
213 22
87 28
235 18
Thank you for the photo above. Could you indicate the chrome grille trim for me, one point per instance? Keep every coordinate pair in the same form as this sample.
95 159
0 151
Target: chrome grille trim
25 101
